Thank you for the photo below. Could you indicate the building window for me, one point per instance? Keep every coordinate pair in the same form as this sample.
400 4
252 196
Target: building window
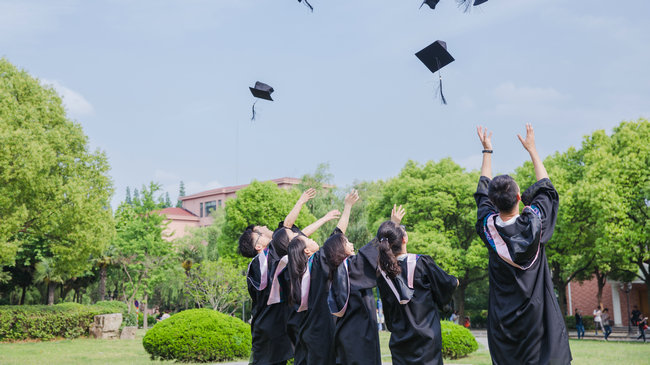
209 207
219 204
201 210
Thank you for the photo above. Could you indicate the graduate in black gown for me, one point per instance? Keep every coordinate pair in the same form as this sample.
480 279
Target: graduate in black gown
352 301
413 289
271 343
525 324
310 318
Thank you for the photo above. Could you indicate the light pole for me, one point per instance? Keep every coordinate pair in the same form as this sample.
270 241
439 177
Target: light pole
627 287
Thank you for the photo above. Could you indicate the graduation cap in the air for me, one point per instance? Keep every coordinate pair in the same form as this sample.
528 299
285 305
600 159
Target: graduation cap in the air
435 57
261 91
466 3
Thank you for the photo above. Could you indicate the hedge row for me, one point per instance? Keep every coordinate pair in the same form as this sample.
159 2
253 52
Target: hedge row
68 320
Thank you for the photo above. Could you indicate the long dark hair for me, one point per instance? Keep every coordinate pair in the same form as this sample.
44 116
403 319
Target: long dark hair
389 239
334 251
296 266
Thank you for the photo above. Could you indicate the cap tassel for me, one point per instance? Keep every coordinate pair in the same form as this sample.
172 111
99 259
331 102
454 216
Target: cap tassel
253 108
307 4
442 96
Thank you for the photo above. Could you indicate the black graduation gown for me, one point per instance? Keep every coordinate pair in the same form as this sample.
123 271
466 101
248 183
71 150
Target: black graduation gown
415 326
270 344
315 326
525 324
356 338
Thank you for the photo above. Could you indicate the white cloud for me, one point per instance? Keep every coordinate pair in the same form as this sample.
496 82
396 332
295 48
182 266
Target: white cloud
472 162
75 103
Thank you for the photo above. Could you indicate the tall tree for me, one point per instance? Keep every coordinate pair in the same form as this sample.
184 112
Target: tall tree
128 199
440 218
142 251
181 193
54 192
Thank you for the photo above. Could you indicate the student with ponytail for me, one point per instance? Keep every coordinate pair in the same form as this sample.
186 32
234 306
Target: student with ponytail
412 289
351 300
310 323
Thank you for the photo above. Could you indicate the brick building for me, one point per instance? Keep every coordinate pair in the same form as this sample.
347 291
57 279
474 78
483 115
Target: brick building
616 296
197 207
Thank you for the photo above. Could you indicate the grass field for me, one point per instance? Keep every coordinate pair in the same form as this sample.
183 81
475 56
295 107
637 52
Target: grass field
90 351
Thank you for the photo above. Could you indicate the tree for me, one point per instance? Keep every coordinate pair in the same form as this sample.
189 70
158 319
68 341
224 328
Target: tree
216 284
54 192
181 193
142 251
324 201
48 274
128 199
440 218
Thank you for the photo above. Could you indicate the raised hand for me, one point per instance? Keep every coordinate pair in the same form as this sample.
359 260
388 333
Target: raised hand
351 198
332 214
307 195
397 214
529 142
486 140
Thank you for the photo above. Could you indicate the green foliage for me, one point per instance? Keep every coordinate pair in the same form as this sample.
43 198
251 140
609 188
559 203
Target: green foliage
142 252
151 320
199 335
218 285
260 203
457 341
68 320
54 192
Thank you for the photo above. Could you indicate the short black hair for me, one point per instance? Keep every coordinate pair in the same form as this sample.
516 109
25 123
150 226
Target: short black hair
502 192
246 246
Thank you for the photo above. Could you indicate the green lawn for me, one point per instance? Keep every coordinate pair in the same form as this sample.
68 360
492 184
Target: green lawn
90 351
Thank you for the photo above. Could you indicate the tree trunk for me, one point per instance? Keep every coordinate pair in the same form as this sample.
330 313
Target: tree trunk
102 282
601 279
144 311
459 297
51 287
22 296
560 285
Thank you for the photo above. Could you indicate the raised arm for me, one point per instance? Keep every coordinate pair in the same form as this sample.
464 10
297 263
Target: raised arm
293 214
397 214
350 199
486 141
529 145
332 214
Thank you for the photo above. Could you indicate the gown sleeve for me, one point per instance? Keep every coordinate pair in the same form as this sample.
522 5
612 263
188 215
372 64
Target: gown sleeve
483 204
363 267
441 284
544 200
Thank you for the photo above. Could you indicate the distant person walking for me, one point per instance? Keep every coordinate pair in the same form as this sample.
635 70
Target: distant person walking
580 326
605 320
597 320
643 325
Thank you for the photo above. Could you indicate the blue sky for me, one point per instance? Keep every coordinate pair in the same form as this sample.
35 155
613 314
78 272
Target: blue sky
162 86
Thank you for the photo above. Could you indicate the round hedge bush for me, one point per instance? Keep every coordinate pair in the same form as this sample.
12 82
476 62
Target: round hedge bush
199 335
457 341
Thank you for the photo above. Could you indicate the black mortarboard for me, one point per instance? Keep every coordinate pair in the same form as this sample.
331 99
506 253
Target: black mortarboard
432 3
262 91
479 2
435 57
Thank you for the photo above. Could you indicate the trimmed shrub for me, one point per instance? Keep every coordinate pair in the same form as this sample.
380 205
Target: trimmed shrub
199 335
45 322
457 341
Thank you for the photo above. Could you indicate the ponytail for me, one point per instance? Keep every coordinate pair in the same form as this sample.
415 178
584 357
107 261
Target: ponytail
389 241
297 266
334 251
